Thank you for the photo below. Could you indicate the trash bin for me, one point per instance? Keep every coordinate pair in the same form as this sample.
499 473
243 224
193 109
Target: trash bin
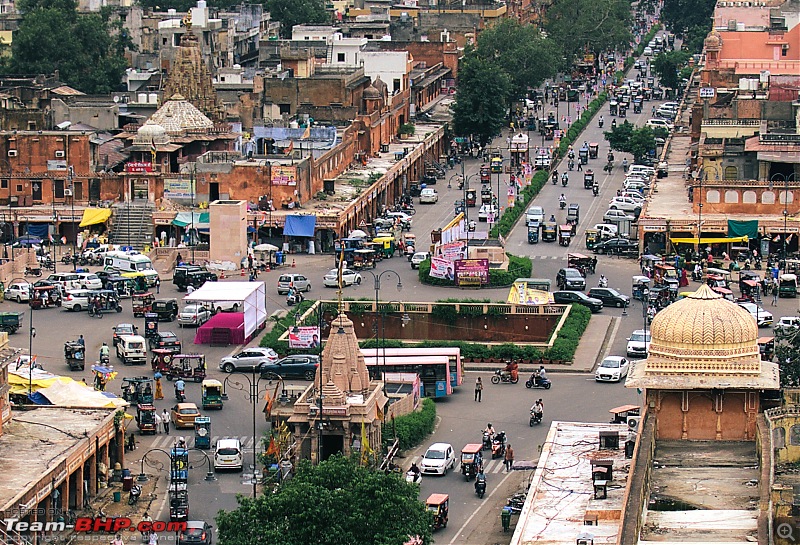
279 258
126 473
127 484
505 517
117 496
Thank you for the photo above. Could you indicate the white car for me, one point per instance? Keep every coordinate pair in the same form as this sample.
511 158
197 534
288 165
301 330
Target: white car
643 170
638 344
89 281
535 214
19 292
606 230
617 215
248 358
634 194
660 124
626 204
428 196
612 369
485 211
228 454
761 316
349 277
76 300
438 459
648 51
194 314
788 323
418 258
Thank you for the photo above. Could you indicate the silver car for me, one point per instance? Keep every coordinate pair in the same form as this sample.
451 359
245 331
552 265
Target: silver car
248 358
18 291
297 281
194 314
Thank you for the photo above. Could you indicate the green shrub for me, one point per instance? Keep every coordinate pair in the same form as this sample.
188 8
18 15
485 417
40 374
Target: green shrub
413 428
570 334
270 339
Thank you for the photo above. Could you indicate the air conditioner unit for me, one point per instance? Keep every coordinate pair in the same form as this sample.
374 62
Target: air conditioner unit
68 193
59 154
633 422
12 153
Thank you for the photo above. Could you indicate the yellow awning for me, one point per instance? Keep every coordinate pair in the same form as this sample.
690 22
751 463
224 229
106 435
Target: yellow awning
708 240
93 216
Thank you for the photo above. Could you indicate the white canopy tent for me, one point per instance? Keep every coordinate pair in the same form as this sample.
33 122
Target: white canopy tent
251 295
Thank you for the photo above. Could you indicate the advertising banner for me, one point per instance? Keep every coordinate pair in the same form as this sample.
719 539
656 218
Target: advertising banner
178 189
472 272
441 268
284 175
304 337
452 250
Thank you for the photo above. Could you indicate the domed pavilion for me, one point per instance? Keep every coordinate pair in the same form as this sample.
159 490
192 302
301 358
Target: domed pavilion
704 375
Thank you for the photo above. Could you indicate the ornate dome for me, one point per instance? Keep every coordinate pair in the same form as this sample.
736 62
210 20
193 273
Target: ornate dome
713 41
372 93
178 116
704 333
151 133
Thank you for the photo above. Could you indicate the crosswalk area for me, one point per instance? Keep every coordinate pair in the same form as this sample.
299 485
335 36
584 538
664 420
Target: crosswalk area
166 442
489 465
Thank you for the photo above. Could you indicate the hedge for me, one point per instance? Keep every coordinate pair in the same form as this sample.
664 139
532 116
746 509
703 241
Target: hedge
412 428
518 267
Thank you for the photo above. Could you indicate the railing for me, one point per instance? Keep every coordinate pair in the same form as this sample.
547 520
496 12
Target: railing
732 122
773 137
469 309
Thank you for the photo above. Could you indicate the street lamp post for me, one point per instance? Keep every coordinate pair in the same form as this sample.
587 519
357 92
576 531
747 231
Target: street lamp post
55 225
254 383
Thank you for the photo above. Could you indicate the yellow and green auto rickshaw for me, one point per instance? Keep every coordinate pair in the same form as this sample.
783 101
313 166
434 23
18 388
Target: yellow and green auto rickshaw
592 238
364 259
212 394
386 245
549 231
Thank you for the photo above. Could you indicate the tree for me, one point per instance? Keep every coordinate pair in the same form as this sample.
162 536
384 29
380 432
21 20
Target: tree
593 25
480 106
296 12
641 143
619 136
681 15
787 352
522 52
336 502
667 66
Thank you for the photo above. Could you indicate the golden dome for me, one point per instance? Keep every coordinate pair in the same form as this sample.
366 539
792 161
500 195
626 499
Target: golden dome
704 333
713 41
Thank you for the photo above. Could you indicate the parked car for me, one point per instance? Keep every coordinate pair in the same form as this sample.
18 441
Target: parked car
349 277
612 369
761 316
68 281
638 344
658 123
577 298
616 246
626 204
194 314
183 415
606 230
788 323
166 340
89 281
298 281
294 366
610 297
18 291
485 211
617 215
418 258
121 330
197 532
248 359
570 279
438 459
428 196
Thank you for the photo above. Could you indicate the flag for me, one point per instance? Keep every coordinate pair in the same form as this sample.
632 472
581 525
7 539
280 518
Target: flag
153 149
272 448
290 149
365 450
307 132
270 402
380 414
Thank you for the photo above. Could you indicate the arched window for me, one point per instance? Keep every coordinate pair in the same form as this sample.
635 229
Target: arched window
749 197
768 197
731 173
731 196
712 196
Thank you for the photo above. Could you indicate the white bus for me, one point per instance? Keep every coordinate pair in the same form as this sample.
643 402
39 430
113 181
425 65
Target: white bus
131 261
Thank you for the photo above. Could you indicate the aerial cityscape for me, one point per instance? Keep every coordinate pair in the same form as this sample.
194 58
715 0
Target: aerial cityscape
399 272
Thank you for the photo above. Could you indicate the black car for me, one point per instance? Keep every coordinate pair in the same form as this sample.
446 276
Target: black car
180 277
197 532
294 366
166 340
196 279
165 309
577 298
570 279
619 246
120 330
610 297
106 274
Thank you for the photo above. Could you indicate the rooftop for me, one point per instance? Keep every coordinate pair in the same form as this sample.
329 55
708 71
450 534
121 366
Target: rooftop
37 441
562 493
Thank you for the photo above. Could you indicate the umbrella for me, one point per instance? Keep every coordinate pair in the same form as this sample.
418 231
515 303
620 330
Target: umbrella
265 248
358 233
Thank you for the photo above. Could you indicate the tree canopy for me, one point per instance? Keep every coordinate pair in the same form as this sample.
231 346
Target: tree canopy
297 12
336 502
787 351
480 105
87 51
689 19
627 138
593 25
667 65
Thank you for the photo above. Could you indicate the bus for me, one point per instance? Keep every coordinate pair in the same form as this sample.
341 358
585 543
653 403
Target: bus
432 370
131 261
453 353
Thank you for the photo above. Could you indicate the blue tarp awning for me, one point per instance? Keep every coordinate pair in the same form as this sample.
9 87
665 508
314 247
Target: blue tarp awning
40 230
300 226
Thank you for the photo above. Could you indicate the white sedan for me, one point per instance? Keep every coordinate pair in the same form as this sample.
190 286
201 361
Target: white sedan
349 277
612 369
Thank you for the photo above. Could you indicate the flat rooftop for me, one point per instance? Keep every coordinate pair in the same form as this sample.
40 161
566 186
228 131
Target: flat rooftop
689 480
35 441
561 495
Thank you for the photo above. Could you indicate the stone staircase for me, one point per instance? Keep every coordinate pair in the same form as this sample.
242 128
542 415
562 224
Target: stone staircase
132 225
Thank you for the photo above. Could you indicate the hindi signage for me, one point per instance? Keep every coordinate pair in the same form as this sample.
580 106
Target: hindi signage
138 167
472 272
283 175
178 189
304 337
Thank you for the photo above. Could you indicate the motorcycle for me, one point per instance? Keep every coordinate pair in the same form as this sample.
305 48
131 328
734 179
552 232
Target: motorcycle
498 446
516 502
487 440
608 167
758 264
536 418
571 164
600 123
535 382
562 204
33 272
294 298
480 485
66 259
413 478
555 178
602 283
180 395
135 493
104 359
595 190
564 180
460 185
500 376
697 276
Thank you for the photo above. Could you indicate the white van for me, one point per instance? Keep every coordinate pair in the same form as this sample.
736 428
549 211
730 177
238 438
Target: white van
228 454
131 349
131 261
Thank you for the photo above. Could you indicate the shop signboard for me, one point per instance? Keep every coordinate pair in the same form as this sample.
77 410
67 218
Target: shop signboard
138 167
472 272
179 189
441 268
283 175
304 337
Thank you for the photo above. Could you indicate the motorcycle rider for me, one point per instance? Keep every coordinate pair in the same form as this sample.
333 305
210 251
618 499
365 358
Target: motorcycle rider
540 375
564 179
595 189
613 123
180 388
537 409
414 470
562 201
490 430
511 370
555 177
104 353
603 283
480 480
553 218
697 273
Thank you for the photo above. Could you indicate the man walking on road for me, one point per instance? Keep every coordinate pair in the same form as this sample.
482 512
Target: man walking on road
509 457
165 420
478 389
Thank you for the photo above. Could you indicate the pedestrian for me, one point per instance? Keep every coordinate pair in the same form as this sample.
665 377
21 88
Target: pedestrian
478 389
158 423
580 165
117 540
509 457
165 420
158 285
775 296
159 390
153 539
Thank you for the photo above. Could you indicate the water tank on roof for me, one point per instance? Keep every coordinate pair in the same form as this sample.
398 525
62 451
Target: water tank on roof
201 3
743 84
764 76
171 11
141 98
753 84
152 98
739 27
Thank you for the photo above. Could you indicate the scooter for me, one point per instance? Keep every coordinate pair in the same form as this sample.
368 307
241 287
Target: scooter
104 359
516 502
294 298
534 382
571 164
498 446
66 259
601 123
135 493
499 376
413 478
487 441
697 276
536 418
555 178
180 395
480 485
595 190
562 204
564 180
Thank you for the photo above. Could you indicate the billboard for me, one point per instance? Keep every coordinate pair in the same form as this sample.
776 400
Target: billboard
283 175
178 189
472 272
441 268
304 337
452 250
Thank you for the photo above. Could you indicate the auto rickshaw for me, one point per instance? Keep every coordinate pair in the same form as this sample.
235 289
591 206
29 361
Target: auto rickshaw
592 238
137 390
486 195
39 300
377 254
75 355
142 303
666 275
533 232
725 293
497 165
573 215
202 432
485 174
594 149
146 418
472 198
471 460
123 286
410 243
438 505
166 310
766 346
212 394
549 231
386 245
178 505
414 189
186 366
564 234
640 287
586 265
364 259
583 155
138 279
10 322
637 105
150 326
613 107
588 179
